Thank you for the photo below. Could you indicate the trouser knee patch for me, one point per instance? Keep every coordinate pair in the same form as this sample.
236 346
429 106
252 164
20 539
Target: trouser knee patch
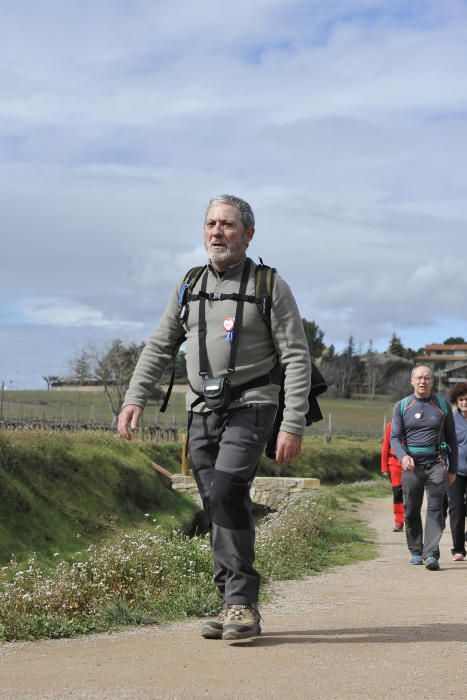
229 501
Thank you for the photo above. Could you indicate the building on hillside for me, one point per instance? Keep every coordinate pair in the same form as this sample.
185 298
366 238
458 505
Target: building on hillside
448 362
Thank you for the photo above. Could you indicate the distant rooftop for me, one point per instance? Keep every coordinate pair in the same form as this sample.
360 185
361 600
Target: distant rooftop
451 348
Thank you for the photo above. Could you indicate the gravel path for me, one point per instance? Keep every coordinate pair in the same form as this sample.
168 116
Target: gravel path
378 629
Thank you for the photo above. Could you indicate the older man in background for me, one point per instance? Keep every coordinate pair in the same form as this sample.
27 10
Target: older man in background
423 438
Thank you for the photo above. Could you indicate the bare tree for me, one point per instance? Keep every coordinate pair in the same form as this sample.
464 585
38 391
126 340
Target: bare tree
113 369
110 367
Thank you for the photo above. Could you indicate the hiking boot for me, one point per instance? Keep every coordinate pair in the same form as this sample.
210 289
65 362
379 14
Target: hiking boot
458 556
416 559
212 629
398 528
431 563
242 621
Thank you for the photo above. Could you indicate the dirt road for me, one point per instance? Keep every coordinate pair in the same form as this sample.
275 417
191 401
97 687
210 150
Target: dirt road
379 629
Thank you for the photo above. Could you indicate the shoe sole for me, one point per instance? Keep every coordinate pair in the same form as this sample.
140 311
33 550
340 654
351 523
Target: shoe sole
212 630
233 633
432 567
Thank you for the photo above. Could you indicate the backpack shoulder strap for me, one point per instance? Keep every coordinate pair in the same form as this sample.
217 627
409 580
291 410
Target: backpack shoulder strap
193 274
168 392
443 406
442 403
189 281
403 405
264 283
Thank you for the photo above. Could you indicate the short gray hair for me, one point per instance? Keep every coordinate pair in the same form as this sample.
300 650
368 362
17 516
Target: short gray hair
246 212
426 367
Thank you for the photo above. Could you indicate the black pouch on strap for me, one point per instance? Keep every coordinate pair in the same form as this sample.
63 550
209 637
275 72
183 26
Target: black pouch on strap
216 393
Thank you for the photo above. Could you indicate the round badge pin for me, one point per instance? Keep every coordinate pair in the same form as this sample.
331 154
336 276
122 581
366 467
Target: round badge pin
418 416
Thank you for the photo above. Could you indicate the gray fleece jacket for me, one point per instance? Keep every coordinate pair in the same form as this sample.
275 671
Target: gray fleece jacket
258 349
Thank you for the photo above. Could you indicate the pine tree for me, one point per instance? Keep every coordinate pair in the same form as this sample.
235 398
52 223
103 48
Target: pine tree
396 347
314 336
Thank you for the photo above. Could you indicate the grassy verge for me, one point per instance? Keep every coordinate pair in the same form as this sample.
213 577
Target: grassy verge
343 460
312 535
60 492
151 577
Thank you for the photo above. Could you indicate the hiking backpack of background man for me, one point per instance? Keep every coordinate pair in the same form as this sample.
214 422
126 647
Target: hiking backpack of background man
264 282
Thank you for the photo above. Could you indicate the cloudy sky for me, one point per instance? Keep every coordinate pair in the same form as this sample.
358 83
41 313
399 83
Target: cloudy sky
343 123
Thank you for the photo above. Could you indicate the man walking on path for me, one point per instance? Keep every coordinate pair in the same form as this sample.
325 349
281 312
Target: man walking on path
423 437
234 359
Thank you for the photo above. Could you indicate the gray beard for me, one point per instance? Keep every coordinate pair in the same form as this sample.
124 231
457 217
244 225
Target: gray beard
222 257
230 253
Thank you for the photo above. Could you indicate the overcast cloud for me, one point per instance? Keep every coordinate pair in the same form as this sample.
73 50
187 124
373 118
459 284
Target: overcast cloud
343 123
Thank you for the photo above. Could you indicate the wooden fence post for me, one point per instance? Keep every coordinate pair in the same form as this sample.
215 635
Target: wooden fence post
328 432
185 465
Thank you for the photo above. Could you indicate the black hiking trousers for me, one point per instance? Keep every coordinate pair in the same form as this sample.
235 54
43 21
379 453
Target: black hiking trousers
456 494
225 449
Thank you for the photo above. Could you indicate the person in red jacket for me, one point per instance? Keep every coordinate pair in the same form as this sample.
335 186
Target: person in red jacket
391 465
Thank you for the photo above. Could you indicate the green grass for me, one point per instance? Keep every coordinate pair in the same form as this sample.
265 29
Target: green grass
354 416
342 460
148 576
61 492
326 531
349 416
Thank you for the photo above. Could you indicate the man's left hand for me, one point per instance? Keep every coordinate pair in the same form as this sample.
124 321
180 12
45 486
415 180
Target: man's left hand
288 446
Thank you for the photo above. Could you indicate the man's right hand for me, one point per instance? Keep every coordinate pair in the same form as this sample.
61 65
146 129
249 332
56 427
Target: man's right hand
408 464
288 446
128 420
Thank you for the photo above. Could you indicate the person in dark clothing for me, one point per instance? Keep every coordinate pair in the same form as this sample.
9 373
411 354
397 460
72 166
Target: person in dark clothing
423 437
457 492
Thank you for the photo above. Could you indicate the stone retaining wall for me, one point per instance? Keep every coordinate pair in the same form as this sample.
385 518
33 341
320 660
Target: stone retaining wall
270 491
